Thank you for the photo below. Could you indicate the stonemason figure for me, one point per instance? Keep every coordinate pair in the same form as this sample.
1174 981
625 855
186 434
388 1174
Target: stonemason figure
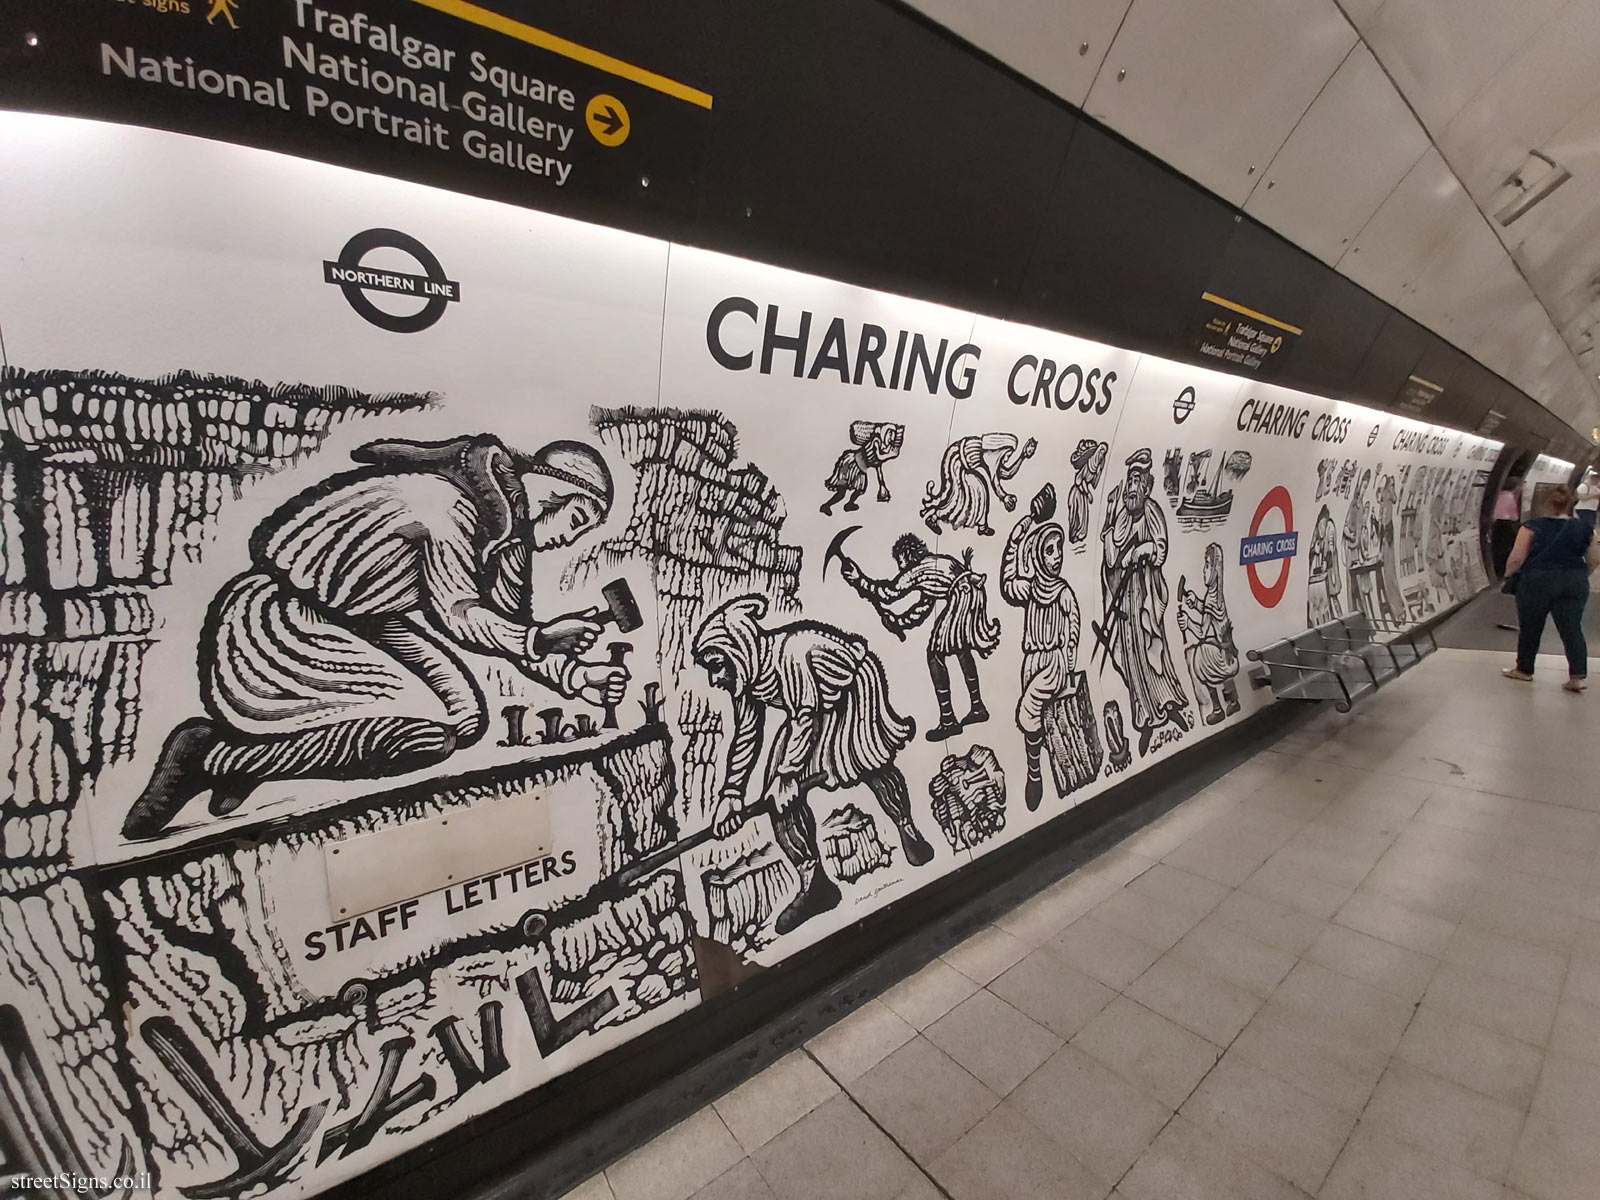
1134 592
837 729
971 468
1055 709
1208 631
873 443
335 655
1324 586
948 594
1089 465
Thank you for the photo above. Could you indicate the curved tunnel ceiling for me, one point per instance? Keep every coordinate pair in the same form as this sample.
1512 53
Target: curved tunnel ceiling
1443 154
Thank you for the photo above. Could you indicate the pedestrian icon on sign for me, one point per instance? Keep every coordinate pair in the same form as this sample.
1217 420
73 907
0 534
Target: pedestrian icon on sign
223 9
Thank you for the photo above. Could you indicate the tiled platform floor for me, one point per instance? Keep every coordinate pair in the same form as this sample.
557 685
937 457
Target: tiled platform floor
1366 963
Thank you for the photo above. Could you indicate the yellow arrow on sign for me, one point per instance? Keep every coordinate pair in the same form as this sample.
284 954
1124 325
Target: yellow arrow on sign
607 120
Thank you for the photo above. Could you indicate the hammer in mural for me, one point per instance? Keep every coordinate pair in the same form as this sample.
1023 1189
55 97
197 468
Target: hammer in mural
947 594
336 655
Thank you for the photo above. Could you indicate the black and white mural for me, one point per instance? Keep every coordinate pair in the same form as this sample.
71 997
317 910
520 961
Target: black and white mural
397 711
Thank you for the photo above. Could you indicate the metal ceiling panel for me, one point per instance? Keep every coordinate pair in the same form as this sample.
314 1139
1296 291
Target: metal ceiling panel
1214 89
1411 225
1461 293
1058 46
1354 144
1548 81
1440 54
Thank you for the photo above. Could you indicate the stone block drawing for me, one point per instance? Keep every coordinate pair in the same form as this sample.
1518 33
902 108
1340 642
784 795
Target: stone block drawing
973 471
851 844
946 594
969 798
872 443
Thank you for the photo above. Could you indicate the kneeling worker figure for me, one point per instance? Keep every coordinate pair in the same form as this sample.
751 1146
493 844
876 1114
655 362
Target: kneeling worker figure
335 656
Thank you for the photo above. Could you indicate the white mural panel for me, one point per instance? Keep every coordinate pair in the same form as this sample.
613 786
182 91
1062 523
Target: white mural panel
339 512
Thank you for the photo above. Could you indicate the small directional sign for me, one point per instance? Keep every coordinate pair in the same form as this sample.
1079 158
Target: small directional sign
607 120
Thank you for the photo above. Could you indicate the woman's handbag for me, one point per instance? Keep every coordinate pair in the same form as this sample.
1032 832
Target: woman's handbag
1509 584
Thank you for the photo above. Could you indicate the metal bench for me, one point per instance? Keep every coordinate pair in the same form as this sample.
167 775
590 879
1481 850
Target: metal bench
1341 660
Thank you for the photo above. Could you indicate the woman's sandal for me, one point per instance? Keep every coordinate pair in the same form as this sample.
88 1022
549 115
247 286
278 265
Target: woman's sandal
1513 673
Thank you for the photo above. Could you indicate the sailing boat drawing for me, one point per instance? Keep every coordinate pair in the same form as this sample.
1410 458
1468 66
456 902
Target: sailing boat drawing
1205 501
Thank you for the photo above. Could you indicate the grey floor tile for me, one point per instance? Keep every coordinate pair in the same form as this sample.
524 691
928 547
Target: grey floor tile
1096 1114
995 1043
1555 1161
1527 963
1188 1163
837 1152
1060 997
1221 856
1496 1065
923 998
593 1188
678 1163
1381 917
986 954
1006 1157
1270 1121
1455 1123
1568 1093
1217 947
924 1098
1374 1018
1382 964
856 1043
1375 1167
1299 1049
742 1182
920 1188
1268 921
1494 1003
1576 1033
761 1108
1156 1055
1180 889
1103 953
1192 996
1151 921
1038 920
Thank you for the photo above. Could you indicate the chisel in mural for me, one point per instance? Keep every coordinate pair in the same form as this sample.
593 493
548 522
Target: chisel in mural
1132 633
950 597
837 729
872 443
972 470
336 656
1208 640
1089 467
1055 711
1324 587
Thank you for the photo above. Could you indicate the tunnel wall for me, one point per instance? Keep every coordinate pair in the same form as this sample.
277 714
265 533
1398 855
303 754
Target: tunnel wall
188 374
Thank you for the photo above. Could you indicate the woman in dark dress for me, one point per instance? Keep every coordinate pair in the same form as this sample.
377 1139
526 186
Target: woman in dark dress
1554 556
